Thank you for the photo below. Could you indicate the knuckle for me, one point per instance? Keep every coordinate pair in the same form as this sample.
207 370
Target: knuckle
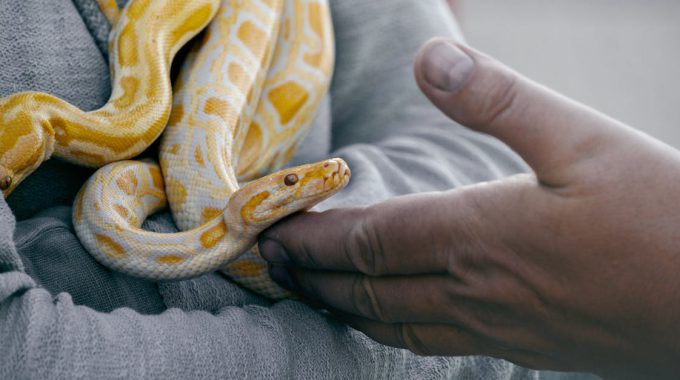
407 335
468 304
303 255
365 299
365 248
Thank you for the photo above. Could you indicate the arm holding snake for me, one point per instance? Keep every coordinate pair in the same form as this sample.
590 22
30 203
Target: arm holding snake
391 150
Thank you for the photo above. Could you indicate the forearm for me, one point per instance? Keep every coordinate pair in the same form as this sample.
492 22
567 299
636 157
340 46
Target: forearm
50 337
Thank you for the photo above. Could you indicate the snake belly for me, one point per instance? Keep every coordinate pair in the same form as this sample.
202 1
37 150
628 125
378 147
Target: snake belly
245 97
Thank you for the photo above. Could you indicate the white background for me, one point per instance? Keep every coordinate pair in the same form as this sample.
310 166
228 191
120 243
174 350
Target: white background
619 56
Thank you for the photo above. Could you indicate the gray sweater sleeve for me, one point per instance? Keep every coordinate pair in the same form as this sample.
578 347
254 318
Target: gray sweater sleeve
45 334
394 140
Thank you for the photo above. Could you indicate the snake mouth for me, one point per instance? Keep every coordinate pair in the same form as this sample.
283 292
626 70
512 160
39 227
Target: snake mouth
341 178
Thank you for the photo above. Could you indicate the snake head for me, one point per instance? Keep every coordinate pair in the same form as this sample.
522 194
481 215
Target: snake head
26 140
262 202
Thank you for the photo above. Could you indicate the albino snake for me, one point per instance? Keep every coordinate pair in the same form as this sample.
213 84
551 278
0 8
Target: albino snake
245 96
33 125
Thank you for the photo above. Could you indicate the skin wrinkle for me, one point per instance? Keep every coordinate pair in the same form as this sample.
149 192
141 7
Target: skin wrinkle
509 265
305 257
501 106
473 202
507 261
410 339
365 299
376 233
459 301
362 249
478 316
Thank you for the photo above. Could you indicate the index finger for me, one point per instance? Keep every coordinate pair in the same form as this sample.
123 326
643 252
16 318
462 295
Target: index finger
406 235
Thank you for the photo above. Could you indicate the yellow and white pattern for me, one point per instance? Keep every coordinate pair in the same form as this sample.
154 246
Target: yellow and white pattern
245 97
35 125
113 204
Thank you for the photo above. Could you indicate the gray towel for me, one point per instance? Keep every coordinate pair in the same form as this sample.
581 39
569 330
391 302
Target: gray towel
62 315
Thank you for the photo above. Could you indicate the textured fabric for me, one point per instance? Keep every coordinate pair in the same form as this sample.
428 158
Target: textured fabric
52 268
45 46
96 23
62 315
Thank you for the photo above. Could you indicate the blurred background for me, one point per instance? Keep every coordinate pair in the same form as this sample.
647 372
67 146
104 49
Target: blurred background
619 56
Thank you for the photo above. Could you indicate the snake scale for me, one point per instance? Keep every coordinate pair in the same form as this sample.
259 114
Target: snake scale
245 97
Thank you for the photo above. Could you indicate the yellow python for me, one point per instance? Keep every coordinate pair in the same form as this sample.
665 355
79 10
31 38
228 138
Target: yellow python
34 125
248 90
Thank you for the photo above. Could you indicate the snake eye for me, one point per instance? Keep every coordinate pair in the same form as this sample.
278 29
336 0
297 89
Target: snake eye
5 183
290 180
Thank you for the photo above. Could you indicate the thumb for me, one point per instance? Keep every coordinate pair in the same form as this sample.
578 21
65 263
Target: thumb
549 131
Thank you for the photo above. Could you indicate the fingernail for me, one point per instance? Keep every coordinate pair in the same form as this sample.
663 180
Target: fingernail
281 276
273 252
446 67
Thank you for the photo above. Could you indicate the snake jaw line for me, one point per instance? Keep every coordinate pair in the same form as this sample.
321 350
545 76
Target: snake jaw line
273 197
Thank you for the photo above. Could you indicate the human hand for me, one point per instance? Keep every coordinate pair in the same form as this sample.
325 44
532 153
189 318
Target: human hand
574 267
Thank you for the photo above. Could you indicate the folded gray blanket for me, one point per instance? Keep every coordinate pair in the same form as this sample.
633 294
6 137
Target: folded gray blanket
62 315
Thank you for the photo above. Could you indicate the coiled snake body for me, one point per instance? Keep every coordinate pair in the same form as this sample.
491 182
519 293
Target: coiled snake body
34 125
245 96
